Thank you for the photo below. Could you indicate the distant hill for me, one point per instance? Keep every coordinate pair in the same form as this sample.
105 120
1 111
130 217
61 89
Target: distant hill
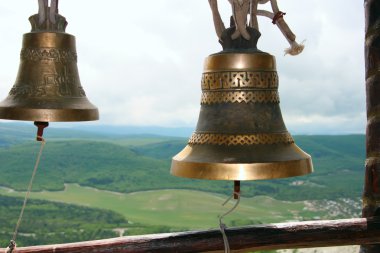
141 130
129 163
22 130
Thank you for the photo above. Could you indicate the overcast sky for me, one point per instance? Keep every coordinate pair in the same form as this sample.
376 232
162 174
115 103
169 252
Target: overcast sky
141 61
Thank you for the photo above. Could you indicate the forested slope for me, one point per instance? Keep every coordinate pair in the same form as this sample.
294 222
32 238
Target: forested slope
130 163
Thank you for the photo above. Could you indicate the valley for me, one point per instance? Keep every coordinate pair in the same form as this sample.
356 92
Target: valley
126 180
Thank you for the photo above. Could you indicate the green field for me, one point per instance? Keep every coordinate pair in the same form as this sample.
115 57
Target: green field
179 209
126 180
132 165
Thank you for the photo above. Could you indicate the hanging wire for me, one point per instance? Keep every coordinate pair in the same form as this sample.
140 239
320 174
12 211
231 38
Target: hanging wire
223 226
12 243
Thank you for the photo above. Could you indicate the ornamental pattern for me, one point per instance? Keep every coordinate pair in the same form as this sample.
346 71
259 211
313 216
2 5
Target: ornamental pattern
240 79
51 54
240 97
236 140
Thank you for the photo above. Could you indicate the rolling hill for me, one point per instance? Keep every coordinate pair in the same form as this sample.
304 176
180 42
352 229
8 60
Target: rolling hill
125 163
136 169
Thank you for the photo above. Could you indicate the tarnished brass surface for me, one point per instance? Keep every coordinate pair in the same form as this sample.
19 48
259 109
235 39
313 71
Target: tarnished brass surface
240 133
240 62
47 87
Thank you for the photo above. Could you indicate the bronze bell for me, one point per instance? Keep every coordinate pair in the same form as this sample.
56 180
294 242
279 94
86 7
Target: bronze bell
47 87
240 133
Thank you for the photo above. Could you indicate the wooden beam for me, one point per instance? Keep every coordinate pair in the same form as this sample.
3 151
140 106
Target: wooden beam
371 195
307 234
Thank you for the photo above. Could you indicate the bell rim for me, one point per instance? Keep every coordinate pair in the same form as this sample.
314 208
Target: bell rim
49 115
182 167
241 171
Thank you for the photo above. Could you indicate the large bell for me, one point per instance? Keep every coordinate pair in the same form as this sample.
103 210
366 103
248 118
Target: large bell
240 133
47 87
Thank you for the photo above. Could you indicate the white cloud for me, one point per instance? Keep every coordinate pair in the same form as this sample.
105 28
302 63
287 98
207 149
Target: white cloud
140 62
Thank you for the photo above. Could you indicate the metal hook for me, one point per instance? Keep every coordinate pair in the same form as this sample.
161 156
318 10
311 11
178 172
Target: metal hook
223 226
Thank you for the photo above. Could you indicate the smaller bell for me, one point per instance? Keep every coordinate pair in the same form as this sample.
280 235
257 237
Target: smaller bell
47 86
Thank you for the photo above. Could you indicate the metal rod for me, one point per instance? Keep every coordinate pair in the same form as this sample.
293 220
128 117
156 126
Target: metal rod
40 129
236 189
308 234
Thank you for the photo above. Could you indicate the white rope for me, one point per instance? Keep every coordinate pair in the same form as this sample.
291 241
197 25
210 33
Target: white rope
12 244
274 6
218 22
294 48
253 15
240 10
223 226
265 13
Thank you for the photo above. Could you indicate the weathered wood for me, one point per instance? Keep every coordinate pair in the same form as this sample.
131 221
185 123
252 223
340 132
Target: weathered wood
273 236
371 195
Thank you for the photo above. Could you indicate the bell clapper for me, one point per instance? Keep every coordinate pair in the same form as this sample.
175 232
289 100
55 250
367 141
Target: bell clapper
236 189
40 129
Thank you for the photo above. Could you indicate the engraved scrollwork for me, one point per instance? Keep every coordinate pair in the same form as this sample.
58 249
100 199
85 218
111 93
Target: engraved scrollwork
239 79
22 90
27 91
235 140
62 82
240 97
52 54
